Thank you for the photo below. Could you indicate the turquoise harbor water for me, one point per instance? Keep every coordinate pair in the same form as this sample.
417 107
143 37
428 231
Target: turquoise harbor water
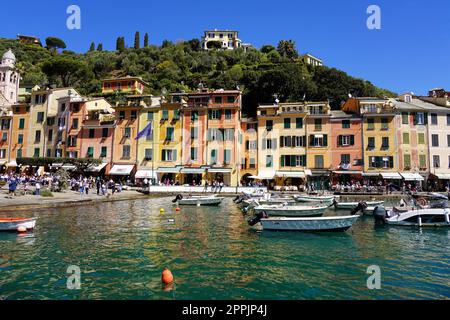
121 249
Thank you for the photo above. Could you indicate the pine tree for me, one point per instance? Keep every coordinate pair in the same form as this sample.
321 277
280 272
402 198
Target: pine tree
137 40
100 47
92 48
146 40
120 45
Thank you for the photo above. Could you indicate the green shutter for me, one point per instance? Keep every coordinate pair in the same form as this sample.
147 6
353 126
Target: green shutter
325 140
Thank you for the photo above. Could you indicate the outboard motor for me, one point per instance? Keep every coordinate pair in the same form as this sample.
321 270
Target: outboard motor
335 203
177 198
380 215
359 208
257 218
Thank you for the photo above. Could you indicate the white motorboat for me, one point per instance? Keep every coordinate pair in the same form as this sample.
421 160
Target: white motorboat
438 217
312 198
320 224
286 210
353 205
17 224
198 200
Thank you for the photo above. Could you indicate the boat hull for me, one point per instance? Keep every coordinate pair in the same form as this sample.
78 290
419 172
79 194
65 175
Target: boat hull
353 205
15 224
324 224
200 201
428 218
318 199
291 211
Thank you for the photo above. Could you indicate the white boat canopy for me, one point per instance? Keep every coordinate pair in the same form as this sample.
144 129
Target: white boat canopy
142 174
193 170
96 168
412 176
168 170
443 176
121 170
291 174
391 176
219 170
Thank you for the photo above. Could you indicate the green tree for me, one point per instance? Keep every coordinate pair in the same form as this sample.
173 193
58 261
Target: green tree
146 40
92 47
137 40
120 44
267 48
286 48
194 44
63 67
55 43
100 47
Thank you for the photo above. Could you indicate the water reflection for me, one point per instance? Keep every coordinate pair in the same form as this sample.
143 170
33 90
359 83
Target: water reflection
123 247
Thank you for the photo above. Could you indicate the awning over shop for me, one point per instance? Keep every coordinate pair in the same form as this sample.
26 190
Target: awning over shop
97 168
121 170
308 172
412 176
348 172
265 175
443 176
371 174
169 170
68 167
2 163
291 174
391 176
219 170
193 170
320 173
145 174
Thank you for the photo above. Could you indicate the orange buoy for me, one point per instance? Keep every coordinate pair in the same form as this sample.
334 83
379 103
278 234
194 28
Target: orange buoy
177 209
167 276
21 229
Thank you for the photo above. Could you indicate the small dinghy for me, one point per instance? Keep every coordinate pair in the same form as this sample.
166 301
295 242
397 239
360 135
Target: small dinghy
198 200
319 224
17 224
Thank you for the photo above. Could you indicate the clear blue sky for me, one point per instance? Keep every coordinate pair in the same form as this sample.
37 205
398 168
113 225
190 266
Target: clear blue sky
411 52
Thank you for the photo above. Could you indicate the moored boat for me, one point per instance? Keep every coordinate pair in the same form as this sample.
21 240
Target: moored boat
286 210
318 224
438 217
17 224
198 200
312 198
353 205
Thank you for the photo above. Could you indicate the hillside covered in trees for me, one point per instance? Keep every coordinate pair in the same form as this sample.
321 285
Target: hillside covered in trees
173 67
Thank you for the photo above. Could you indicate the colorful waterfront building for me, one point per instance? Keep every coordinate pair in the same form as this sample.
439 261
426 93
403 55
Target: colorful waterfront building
159 155
346 147
19 132
379 137
318 131
411 122
126 85
210 150
125 145
248 140
43 111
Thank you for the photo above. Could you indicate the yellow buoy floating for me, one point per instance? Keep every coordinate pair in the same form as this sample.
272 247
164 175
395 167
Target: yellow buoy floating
162 210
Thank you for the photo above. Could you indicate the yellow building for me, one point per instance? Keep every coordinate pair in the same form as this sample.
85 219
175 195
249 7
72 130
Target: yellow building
379 138
318 131
159 156
248 139
282 140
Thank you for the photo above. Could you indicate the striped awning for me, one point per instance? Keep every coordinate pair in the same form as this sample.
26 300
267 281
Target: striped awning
412 176
121 170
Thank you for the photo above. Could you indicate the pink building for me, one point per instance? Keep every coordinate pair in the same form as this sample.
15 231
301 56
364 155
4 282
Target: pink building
346 147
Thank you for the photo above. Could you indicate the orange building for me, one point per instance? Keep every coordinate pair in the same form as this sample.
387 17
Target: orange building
249 148
125 147
19 134
128 85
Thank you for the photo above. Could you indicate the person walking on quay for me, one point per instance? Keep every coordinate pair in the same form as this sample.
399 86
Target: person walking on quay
113 187
104 188
38 188
206 186
86 187
12 187
220 186
98 185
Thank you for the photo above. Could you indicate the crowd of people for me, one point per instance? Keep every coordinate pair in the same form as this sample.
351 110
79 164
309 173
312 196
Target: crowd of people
33 185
